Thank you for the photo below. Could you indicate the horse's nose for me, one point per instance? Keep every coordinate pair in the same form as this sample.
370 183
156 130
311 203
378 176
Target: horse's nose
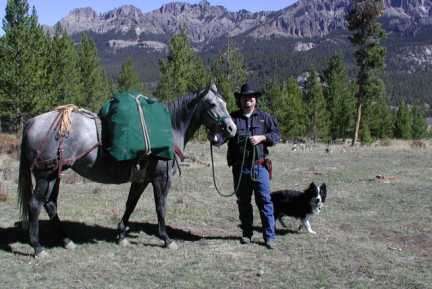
231 129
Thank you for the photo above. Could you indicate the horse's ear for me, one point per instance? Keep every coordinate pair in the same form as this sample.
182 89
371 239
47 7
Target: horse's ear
213 86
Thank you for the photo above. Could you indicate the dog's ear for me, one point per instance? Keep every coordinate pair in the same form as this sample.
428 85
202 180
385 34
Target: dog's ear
312 188
323 192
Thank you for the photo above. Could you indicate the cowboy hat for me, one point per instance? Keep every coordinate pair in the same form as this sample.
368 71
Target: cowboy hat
248 89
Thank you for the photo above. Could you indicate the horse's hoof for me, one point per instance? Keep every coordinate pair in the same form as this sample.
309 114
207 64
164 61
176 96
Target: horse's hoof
172 245
124 242
41 254
70 245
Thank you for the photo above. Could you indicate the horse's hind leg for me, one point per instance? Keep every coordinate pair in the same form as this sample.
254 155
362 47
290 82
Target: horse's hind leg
51 209
36 201
134 194
161 186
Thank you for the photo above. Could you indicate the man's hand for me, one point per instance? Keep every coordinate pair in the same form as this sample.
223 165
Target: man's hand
256 139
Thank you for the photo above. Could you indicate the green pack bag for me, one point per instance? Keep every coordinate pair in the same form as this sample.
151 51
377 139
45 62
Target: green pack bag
122 129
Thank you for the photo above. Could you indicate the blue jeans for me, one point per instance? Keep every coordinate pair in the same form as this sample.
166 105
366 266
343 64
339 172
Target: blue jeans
260 185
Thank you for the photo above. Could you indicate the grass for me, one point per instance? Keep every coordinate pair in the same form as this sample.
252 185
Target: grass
370 234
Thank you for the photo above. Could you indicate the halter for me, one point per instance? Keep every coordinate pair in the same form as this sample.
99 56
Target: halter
219 120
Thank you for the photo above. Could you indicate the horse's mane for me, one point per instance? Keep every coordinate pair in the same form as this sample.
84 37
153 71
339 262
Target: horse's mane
183 102
181 107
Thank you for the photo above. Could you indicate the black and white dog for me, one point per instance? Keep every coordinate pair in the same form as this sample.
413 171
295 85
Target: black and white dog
300 205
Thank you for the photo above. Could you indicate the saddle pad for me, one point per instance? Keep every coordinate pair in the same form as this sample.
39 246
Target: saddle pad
122 130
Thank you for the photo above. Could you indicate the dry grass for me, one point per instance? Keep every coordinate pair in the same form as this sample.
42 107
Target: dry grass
9 144
371 233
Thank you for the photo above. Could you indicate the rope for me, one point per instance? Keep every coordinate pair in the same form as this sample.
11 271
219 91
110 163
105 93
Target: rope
241 171
65 127
143 126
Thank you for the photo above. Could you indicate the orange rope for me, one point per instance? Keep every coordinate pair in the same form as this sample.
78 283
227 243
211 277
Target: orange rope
65 120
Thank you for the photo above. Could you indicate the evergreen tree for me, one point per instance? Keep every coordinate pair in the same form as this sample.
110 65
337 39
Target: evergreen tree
340 98
182 72
419 124
403 122
128 78
365 134
366 35
288 107
23 63
316 108
275 100
230 73
378 115
93 77
64 70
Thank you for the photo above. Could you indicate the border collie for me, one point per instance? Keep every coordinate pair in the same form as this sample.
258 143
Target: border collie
300 205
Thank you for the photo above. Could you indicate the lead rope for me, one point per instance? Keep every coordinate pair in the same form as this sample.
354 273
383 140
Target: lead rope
253 175
239 179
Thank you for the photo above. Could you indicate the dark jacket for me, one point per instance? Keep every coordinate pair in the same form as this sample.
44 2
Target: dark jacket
259 123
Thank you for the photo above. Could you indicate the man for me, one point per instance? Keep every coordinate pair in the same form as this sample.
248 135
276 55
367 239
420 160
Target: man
247 152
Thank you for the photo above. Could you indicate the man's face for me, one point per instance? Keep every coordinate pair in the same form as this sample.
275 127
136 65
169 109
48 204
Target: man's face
248 102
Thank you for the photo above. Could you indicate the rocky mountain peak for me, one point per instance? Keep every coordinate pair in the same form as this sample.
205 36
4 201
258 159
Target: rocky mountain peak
125 11
80 19
83 14
205 22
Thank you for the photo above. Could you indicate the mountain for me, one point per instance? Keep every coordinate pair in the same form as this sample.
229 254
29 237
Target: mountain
287 41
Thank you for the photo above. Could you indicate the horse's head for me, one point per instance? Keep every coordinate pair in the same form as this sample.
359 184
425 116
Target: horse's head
214 113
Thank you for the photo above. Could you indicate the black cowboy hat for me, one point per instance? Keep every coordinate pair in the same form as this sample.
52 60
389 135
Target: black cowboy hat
248 89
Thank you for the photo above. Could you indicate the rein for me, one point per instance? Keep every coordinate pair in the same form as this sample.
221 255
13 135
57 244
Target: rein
241 171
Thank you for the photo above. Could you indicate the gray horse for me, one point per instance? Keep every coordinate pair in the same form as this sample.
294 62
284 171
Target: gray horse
80 150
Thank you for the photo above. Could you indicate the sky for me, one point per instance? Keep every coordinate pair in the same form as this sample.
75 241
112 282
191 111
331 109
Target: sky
51 11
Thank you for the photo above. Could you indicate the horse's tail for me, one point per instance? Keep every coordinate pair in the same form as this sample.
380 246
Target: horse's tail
25 186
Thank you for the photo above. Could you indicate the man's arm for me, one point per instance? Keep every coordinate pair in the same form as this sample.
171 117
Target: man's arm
272 134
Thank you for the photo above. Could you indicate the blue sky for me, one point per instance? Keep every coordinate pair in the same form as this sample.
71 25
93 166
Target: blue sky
51 11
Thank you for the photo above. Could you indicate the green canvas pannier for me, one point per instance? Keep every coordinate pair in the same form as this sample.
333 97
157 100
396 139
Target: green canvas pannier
123 132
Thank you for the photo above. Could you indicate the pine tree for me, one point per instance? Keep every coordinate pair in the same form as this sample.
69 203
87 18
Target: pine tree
318 115
288 107
128 78
93 77
365 134
419 124
276 99
230 72
366 35
340 98
24 61
64 70
182 72
378 115
403 122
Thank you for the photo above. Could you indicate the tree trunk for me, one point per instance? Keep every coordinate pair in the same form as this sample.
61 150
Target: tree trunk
358 120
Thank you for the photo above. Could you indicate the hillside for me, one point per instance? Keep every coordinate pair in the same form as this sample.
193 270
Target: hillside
275 43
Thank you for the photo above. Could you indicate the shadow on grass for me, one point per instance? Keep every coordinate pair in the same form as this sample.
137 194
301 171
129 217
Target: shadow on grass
176 233
82 233
278 231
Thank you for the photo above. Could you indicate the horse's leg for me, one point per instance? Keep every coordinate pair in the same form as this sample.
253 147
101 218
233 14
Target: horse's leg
161 185
135 192
51 209
36 201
